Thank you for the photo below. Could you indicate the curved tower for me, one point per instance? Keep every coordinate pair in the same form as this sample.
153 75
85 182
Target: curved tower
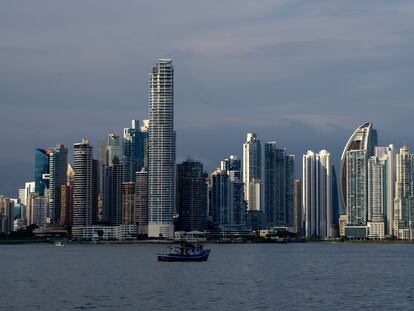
363 139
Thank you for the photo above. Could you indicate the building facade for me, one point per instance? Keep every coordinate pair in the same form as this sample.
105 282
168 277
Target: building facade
252 171
279 176
161 175
82 187
317 194
191 196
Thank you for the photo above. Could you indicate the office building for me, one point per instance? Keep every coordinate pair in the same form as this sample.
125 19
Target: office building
128 203
279 176
141 201
191 196
58 162
41 170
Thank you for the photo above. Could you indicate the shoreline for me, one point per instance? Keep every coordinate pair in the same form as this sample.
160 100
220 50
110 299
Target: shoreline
166 242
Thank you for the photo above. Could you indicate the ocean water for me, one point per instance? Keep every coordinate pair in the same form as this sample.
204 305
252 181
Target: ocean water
308 276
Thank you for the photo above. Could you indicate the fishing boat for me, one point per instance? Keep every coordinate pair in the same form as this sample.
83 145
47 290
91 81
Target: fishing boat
185 252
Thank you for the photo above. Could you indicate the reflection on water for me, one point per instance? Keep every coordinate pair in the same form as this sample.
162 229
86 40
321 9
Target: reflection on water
310 276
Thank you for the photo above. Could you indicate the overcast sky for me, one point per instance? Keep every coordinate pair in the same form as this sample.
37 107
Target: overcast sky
302 73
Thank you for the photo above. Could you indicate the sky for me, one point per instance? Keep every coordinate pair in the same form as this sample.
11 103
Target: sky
302 73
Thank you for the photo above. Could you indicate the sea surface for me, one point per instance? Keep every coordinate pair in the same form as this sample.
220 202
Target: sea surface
308 276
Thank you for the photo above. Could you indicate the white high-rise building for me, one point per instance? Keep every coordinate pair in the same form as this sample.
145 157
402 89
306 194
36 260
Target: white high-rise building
404 195
381 192
317 194
252 172
161 173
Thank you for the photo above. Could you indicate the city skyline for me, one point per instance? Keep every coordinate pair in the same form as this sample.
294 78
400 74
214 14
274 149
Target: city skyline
293 72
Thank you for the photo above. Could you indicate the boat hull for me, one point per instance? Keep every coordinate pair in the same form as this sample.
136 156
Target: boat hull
177 257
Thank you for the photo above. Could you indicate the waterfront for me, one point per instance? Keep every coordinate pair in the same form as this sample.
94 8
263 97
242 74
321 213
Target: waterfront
309 276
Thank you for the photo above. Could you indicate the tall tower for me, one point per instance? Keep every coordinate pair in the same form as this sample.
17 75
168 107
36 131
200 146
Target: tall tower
82 187
363 139
41 170
317 194
161 181
279 181
404 195
141 201
252 171
191 196
58 163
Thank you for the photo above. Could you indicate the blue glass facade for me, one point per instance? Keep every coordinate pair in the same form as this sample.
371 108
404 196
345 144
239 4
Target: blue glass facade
41 168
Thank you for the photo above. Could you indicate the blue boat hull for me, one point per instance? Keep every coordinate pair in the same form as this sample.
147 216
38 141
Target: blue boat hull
177 257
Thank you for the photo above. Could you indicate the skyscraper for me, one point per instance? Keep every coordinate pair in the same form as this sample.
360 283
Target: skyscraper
135 142
317 194
404 195
252 172
191 196
58 162
128 206
82 187
297 206
279 176
364 138
381 192
161 175
354 179
141 201
41 170
227 206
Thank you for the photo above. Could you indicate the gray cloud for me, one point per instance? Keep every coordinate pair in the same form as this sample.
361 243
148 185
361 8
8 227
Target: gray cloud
303 73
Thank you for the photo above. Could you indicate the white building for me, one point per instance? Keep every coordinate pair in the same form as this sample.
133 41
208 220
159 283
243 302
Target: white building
404 195
252 172
161 174
317 194
380 192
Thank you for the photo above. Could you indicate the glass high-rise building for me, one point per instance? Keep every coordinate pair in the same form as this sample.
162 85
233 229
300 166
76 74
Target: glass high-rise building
135 142
191 196
279 186
161 174
58 163
41 170
365 139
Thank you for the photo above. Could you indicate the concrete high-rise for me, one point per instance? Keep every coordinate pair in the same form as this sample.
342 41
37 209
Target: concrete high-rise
191 196
381 176
317 194
161 175
279 176
128 206
252 172
141 201
297 206
404 195
82 187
